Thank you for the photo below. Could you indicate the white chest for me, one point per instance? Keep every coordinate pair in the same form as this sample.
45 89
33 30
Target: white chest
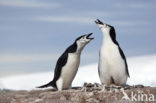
70 69
111 64
110 51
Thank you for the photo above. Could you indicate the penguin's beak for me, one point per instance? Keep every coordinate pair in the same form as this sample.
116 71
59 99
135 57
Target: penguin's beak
88 36
97 21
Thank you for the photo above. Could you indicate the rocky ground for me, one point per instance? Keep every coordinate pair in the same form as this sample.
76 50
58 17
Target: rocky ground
89 93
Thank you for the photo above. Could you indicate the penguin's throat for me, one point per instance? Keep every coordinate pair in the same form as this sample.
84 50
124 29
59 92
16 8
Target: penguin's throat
79 49
106 38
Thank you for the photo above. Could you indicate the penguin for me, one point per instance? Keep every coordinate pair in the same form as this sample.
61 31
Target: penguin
112 66
68 63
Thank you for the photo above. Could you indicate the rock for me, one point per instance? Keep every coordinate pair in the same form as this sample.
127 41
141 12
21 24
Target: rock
89 93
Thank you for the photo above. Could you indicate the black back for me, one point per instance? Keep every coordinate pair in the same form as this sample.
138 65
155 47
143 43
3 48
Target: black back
113 37
62 61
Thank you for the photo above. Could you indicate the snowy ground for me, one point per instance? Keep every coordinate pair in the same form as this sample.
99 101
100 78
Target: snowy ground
142 71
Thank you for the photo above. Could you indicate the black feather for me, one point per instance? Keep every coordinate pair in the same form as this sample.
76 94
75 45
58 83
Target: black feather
113 37
60 63
124 58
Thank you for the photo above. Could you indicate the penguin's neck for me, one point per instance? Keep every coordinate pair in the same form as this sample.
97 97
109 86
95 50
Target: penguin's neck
106 38
79 50
79 47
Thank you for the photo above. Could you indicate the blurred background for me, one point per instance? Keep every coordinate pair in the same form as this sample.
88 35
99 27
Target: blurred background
34 33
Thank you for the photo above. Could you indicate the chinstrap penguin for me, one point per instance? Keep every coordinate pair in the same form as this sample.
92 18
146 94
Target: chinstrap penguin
68 63
112 66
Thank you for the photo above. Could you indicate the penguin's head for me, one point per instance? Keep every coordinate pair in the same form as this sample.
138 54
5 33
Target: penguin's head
83 40
105 28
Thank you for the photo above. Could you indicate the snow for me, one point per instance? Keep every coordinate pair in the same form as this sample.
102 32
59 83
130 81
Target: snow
142 71
1 86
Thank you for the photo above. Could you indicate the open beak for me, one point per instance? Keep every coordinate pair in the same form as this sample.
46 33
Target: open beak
88 36
97 21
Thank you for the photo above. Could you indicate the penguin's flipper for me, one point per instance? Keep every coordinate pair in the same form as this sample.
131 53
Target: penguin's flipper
46 85
123 56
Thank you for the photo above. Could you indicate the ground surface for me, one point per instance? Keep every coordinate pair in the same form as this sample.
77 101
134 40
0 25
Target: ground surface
90 93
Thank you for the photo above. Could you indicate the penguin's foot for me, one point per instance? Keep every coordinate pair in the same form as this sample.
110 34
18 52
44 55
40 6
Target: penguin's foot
113 86
127 87
131 87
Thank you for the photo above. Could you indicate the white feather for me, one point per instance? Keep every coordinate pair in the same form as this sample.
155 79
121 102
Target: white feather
59 83
111 63
69 70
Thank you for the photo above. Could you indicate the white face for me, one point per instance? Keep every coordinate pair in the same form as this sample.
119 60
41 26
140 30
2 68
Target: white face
83 40
103 27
